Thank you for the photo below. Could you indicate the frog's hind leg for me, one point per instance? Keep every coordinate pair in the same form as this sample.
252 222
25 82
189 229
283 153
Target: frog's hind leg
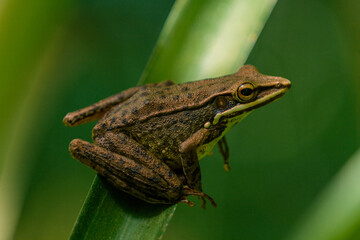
128 175
97 110
124 145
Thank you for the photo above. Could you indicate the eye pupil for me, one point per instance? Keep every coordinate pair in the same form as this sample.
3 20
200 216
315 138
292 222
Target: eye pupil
247 91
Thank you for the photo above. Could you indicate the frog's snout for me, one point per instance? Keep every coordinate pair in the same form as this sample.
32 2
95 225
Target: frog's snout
282 83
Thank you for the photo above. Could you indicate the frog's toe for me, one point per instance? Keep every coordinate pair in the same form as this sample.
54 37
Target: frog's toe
203 202
189 191
187 201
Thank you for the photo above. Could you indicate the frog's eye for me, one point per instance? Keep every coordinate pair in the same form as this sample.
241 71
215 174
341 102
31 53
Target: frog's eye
246 92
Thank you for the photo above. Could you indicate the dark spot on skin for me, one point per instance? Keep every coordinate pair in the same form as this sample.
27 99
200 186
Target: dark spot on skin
124 121
222 89
123 113
181 120
176 127
146 101
176 97
103 125
137 168
113 120
170 174
159 92
160 107
144 94
185 89
162 96
123 140
190 95
134 111
111 146
155 180
131 171
137 150
174 121
121 161
187 114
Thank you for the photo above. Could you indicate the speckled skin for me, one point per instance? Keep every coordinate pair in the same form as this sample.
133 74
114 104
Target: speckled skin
148 139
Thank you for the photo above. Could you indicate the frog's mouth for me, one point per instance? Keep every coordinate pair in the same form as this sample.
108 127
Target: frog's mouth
263 98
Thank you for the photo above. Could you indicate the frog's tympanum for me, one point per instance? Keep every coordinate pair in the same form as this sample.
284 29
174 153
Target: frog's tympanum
149 139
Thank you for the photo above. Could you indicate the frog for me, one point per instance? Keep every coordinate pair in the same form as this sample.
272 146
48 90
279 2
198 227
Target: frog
149 139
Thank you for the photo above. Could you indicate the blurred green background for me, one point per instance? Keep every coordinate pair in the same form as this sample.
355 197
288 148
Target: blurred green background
57 56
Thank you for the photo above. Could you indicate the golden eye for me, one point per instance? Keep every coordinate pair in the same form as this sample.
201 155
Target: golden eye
246 92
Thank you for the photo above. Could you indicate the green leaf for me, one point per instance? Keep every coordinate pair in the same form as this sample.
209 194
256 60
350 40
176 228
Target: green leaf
111 214
336 213
200 39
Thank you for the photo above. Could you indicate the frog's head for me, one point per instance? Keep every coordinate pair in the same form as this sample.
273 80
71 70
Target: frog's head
249 90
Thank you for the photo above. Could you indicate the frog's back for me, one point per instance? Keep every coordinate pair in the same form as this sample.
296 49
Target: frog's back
154 101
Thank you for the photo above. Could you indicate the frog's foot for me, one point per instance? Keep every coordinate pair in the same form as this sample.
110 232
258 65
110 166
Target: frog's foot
189 191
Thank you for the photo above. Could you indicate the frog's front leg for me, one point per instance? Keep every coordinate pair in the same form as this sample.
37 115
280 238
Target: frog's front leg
189 159
97 110
190 162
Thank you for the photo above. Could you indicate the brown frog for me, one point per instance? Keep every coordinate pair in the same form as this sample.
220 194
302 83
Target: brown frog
149 138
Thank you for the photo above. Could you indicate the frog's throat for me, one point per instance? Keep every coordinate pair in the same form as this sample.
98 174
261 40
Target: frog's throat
251 105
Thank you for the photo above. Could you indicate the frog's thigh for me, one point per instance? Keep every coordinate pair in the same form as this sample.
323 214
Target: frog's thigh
124 145
128 175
